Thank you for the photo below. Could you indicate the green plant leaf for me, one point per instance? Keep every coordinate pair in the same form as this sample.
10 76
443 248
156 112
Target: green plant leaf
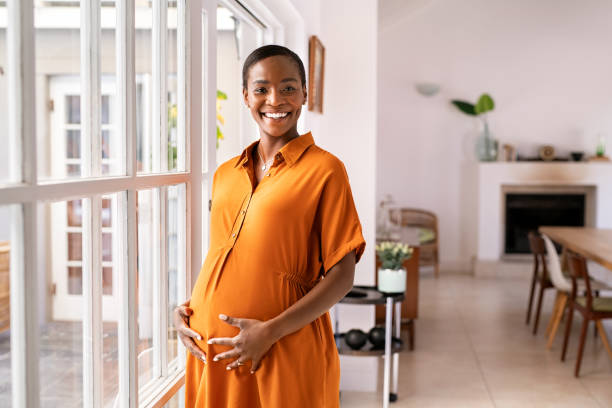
464 107
221 95
485 104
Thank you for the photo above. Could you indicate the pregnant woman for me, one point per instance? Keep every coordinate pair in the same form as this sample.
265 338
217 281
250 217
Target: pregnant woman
284 240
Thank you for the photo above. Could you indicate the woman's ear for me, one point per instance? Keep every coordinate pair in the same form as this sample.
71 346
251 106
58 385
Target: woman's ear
245 95
305 94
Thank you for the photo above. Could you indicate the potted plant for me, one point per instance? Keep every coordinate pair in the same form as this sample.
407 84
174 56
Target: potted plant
391 274
486 146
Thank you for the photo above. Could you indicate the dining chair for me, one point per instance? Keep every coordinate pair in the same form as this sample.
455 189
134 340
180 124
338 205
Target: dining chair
592 308
540 276
561 283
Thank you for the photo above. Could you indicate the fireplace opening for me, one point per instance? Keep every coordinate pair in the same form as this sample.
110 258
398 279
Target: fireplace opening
527 212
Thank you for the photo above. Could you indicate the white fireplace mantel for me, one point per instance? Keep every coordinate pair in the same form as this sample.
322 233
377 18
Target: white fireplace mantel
494 177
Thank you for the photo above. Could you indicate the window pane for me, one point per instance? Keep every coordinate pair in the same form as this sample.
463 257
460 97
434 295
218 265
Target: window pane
144 44
58 89
148 264
112 142
5 171
111 248
175 230
235 41
171 65
5 304
61 329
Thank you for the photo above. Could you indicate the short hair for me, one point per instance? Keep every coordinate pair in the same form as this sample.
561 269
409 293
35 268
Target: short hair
270 51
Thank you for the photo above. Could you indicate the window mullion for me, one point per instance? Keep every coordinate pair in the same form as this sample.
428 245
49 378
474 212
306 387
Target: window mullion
160 94
92 294
126 85
25 338
183 146
157 281
163 281
90 85
127 230
24 314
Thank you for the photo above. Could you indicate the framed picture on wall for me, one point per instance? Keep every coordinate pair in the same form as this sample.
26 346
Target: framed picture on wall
316 70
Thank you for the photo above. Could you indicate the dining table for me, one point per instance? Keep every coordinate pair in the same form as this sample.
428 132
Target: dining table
594 244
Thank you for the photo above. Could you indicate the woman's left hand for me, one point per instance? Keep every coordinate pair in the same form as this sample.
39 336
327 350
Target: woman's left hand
252 343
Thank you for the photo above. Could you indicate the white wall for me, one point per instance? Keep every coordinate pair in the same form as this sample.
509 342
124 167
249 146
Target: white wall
546 63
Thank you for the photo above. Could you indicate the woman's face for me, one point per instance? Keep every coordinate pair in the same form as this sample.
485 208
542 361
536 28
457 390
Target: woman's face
275 95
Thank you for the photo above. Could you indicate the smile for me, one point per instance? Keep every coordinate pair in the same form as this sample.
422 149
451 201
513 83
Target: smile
275 115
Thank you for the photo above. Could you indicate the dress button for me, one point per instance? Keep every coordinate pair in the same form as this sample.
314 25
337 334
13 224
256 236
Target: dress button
234 235
268 174
244 211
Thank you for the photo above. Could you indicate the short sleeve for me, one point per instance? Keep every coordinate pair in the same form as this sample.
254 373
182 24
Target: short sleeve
340 229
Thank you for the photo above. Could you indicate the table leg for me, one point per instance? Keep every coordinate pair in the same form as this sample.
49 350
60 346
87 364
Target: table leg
388 334
398 332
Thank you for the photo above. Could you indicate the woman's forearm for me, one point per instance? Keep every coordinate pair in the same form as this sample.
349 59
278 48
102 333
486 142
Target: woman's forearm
337 283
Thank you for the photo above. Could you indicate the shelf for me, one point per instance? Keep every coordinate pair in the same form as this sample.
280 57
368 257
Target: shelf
367 350
372 296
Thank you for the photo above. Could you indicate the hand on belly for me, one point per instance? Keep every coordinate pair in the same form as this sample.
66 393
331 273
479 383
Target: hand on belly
252 343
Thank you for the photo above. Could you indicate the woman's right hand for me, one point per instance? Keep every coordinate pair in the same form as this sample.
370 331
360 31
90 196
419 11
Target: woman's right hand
185 333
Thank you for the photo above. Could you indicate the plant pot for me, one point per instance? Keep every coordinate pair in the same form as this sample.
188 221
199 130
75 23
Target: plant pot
392 280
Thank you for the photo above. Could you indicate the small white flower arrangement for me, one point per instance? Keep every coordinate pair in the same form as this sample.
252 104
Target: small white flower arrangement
391 275
393 254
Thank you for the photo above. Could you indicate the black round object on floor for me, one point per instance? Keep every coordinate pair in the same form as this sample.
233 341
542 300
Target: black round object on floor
377 337
355 339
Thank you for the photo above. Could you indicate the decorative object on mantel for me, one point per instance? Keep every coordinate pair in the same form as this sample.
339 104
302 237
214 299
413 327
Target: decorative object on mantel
599 158
427 88
316 71
486 146
391 274
547 153
601 147
509 153
577 156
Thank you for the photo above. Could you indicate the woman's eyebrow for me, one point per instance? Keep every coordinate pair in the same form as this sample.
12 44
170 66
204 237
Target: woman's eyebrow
264 81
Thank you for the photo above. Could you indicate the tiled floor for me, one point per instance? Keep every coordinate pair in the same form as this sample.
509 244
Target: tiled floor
473 349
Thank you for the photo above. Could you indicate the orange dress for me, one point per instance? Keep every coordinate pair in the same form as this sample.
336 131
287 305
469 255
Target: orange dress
269 246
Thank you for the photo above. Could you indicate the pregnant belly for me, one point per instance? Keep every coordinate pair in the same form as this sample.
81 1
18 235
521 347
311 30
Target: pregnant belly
253 293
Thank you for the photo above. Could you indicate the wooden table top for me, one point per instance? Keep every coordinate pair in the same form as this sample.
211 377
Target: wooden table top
592 243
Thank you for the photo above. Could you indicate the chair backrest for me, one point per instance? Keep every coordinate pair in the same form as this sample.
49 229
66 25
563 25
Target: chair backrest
578 270
412 217
536 243
554 267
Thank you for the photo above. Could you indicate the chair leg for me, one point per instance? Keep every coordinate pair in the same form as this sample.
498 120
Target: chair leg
558 316
583 333
437 270
411 336
568 329
554 313
538 309
533 282
604 337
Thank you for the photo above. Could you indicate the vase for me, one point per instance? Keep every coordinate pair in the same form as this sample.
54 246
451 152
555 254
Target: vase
392 280
486 146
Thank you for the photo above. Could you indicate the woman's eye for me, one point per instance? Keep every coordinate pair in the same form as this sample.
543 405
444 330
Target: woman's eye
260 90
289 89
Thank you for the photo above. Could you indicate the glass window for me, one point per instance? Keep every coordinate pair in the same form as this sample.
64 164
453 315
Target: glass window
5 171
5 306
58 121
175 241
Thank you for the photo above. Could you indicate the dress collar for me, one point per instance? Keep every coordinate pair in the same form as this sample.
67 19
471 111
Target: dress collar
291 152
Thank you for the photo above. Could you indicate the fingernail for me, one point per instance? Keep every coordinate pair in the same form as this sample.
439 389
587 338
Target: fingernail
228 368
252 372
222 317
210 341
216 359
199 337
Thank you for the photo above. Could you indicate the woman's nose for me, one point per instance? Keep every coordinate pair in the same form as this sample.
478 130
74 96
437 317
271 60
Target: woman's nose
274 97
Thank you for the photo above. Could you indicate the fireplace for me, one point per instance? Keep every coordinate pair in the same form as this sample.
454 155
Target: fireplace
525 212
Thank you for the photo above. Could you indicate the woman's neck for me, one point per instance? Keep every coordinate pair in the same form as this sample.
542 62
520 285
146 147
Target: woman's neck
270 145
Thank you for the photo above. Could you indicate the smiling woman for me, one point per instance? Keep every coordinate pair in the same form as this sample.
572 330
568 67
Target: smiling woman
282 219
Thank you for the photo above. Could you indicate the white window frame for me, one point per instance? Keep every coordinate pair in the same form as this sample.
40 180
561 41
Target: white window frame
196 96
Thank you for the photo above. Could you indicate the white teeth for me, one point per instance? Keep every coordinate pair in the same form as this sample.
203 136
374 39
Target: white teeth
275 115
